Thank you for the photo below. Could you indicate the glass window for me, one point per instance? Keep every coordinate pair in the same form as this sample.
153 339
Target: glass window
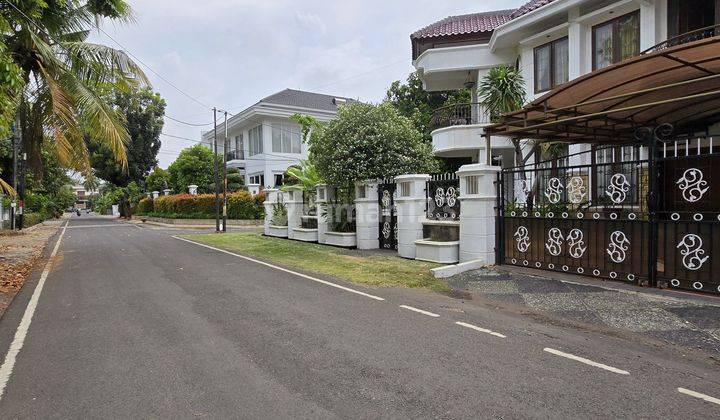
286 138
616 40
551 65
255 139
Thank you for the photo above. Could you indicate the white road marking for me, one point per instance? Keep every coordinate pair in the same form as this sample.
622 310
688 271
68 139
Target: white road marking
586 361
420 311
325 282
95 226
699 395
22 329
482 330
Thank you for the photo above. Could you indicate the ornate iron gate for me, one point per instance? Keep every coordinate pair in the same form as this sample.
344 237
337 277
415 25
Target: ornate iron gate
647 213
442 197
388 216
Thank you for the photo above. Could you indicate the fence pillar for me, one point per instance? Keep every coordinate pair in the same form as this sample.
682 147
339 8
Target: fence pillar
294 206
324 195
367 211
478 197
270 200
254 189
155 194
410 202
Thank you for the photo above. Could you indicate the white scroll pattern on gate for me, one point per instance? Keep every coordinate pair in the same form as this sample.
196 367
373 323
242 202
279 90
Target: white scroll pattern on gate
576 190
386 230
692 251
554 241
523 238
386 198
554 190
576 243
451 196
693 185
439 197
618 188
619 244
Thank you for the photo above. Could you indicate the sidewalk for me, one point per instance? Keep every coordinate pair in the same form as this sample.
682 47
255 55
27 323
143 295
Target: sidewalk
19 254
678 318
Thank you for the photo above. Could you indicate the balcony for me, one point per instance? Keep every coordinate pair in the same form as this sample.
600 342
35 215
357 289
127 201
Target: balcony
457 131
235 155
696 35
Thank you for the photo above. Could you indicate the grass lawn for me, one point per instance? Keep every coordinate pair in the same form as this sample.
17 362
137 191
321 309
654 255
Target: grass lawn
356 266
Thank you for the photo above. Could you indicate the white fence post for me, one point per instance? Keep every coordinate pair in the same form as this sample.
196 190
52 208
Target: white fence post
270 200
478 197
367 212
410 201
294 206
323 197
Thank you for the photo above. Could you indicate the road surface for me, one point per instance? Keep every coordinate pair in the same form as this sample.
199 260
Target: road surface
132 322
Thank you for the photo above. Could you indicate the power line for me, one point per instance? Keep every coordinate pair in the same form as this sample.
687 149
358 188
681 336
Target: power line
153 71
186 123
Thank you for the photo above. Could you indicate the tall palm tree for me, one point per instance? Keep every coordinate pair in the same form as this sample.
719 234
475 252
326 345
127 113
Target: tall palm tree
65 77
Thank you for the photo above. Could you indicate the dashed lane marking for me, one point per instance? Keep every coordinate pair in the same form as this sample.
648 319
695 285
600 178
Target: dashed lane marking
699 395
480 329
305 276
22 329
586 361
420 311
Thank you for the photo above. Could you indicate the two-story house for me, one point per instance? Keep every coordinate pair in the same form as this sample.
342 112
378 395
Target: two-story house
264 142
550 41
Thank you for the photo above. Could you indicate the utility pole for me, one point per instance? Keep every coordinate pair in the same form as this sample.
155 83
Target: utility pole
225 152
13 205
216 174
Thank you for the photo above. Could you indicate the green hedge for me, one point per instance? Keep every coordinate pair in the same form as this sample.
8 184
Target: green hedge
241 205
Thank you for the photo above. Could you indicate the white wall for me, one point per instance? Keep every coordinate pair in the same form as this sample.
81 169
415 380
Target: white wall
270 163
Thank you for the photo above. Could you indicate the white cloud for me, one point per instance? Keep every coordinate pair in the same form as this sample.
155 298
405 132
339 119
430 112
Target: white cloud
311 22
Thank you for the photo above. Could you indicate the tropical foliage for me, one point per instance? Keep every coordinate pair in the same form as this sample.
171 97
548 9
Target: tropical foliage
411 100
157 180
241 205
368 141
64 77
305 176
193 166
143 111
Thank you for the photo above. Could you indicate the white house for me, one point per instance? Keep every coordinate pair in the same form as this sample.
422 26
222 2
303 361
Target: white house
551 41
264 142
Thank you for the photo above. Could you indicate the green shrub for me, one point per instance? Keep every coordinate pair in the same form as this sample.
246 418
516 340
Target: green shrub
144 207
32 219
279 215
241 205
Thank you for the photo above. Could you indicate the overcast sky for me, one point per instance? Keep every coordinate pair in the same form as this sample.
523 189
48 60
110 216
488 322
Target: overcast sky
231 53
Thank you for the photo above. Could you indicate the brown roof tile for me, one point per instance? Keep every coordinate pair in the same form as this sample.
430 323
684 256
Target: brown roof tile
465 24
529 7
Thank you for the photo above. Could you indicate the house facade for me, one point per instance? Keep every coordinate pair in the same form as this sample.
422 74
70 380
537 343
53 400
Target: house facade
264 142
626 95
551 42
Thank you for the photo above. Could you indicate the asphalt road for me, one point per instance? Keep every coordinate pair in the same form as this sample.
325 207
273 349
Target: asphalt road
132 322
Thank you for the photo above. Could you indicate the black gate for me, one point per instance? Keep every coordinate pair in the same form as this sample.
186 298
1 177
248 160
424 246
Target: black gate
647 213
442 197
388 216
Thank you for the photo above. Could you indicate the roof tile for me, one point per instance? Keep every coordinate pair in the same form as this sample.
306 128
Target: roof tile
465 24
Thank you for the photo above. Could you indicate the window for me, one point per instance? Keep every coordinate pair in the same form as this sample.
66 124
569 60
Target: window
551 65
285 138
257 179
278 180
616 40
255 141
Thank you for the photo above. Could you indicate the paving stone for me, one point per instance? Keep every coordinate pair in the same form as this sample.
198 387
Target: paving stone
497 287
556 301
704 317
642 319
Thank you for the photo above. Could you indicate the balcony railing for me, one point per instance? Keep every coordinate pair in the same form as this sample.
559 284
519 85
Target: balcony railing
696 35
459 114
235 155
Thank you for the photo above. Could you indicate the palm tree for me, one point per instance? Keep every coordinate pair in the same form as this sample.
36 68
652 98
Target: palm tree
65 77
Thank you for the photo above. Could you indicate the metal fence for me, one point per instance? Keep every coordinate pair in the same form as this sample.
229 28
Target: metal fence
442 194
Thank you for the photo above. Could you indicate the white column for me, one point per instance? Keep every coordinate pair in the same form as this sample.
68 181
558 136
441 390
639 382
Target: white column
166 191
478 197
367 211
270 200
294 206
410 204
648 27
253 188
155 194
324 192
577 52
192 189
